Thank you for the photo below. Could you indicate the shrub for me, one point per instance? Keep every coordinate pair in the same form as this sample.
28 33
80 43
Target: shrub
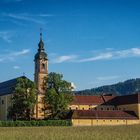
35 123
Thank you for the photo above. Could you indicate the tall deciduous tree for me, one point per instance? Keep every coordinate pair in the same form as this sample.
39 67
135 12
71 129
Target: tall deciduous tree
23 100
58 95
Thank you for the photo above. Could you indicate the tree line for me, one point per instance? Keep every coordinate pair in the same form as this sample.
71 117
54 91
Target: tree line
122 88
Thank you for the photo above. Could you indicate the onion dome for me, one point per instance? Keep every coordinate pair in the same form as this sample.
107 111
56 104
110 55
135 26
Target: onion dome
41 51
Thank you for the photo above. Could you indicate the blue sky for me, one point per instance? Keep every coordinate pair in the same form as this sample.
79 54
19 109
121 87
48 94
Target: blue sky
91 42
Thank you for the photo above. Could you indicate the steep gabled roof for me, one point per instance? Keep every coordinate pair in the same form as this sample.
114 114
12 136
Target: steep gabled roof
92 114
8 87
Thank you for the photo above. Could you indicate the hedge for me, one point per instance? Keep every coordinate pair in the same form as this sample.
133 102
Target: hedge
35 123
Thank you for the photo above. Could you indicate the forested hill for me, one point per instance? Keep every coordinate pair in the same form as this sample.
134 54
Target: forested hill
123 88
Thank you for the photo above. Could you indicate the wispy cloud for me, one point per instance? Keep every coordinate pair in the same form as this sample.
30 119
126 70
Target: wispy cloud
7 1
107 54
24 17
13 55
35 18
16 67
102 56
6 36
22 52
44 15
106 78
64 58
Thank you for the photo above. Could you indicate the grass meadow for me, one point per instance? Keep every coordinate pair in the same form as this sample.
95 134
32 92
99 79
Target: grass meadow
71 133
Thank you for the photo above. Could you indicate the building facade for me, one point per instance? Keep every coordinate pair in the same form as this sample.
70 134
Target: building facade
106 110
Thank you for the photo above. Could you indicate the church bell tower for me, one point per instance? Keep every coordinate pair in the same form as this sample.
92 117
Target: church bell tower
41 72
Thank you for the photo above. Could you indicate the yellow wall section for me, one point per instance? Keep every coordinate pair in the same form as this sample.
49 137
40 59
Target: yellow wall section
4 107
87 107
130 107
94 122
138 110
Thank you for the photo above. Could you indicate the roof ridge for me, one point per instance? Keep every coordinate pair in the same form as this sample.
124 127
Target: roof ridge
13 79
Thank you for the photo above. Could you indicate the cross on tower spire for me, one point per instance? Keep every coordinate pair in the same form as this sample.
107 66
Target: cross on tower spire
41 44
40 33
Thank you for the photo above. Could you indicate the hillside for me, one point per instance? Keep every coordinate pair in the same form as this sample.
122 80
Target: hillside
122 88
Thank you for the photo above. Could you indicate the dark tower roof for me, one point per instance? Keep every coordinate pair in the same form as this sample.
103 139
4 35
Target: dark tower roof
41 51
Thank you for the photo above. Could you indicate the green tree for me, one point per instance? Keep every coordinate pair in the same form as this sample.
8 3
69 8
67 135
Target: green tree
58 95
23 100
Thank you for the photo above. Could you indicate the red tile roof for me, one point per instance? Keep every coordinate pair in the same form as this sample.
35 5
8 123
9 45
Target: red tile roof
91 100
91 114
106 100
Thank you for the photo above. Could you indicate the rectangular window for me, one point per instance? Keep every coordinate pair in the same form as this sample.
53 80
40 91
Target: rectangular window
2 102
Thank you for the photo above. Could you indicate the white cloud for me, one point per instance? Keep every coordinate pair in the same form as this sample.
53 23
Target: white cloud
1 59
45 15
106 78
22 52
24 17
13 55
73 86
102 56
6 36
16 67
109 55
7 1
36 18
136 51
64 58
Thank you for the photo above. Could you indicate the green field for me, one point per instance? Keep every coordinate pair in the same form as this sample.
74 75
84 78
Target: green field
71 133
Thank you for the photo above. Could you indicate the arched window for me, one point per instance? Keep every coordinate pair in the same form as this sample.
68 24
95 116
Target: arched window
43 66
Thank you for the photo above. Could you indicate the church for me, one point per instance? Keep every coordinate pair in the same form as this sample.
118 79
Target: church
41 71
86 110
